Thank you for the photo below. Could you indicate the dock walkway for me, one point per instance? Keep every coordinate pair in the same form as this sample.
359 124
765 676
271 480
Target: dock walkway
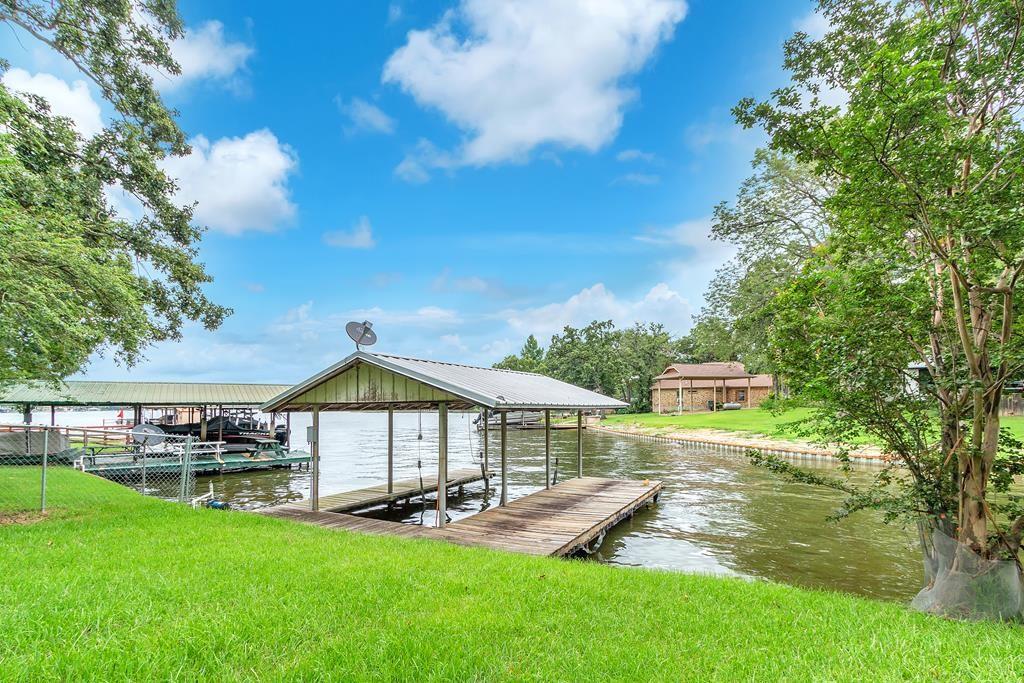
371 496
559 521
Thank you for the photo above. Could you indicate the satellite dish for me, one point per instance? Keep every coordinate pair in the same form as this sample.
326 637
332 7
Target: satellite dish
148 435
361 333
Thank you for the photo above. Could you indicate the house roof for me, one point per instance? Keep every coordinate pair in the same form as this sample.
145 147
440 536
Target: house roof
411 383
725 370
672 384
93 393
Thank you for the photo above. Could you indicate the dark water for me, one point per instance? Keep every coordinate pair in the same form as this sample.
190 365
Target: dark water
718 514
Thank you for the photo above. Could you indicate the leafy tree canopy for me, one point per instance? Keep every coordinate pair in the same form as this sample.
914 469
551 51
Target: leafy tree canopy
75 277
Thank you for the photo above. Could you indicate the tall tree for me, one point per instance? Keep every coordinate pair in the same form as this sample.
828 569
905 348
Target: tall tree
530 358
926 244
76 277
777 222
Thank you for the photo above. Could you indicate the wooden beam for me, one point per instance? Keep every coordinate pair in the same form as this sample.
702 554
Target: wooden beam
314 480
504 459
748 392
547 449
486 416
579 443
391 449
442 464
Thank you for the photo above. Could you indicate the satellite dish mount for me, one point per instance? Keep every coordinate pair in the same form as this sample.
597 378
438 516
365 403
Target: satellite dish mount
361 333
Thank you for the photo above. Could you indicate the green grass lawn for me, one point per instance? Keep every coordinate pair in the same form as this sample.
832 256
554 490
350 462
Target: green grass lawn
138 589
752 421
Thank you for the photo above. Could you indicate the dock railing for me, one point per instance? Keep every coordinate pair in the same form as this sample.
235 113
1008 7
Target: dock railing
44 468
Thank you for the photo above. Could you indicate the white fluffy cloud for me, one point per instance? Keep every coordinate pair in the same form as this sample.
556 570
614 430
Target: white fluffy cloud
363 116
660 304
239 183
71 100
204 53
359 237
815 25
515 75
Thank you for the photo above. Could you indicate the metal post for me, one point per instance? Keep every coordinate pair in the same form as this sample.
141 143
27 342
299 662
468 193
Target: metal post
46 453
391 449
186 466
314 480
26 413
504 458
53 416
579 443
442 464
288 429
486 416
547 449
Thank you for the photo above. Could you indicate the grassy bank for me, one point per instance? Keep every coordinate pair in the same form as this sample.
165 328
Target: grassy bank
133 588
752 421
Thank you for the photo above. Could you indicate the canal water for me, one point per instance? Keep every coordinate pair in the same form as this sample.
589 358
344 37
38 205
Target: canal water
718 514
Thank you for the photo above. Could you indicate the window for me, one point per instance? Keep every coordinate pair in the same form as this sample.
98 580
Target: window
741 394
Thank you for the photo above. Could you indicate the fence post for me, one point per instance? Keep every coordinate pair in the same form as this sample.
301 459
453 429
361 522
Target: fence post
46 452
185 465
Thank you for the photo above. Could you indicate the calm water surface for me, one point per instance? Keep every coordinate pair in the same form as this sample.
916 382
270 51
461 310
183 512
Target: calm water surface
717 514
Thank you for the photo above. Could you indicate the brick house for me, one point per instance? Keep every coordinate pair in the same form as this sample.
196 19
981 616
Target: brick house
686 387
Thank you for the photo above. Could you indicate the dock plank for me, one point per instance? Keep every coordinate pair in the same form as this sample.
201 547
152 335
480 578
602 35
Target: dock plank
371 496
558 521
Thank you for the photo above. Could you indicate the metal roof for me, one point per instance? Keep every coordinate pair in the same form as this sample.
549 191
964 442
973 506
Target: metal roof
715 370
90 393
484 387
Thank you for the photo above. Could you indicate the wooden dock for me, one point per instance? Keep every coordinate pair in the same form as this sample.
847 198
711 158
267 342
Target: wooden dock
403 489
571 516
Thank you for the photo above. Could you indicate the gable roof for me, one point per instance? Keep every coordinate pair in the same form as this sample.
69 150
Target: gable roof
411 383
720 370
93 393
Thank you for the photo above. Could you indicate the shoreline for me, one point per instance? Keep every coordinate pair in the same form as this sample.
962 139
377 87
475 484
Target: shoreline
741 442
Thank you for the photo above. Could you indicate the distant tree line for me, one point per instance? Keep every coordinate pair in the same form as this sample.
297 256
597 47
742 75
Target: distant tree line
616 362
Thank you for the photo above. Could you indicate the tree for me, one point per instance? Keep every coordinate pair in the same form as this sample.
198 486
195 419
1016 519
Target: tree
925 246
777 223
530 358
647 351
75 277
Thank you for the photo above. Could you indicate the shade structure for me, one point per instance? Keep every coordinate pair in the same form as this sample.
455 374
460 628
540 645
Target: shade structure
94 393
377 381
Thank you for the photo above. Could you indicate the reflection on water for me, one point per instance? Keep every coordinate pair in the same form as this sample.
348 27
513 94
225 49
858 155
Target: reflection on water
718 514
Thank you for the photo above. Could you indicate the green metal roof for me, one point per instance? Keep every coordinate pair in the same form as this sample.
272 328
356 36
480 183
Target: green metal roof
89 393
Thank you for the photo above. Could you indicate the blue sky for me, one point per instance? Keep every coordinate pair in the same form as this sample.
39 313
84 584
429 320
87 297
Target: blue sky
462 174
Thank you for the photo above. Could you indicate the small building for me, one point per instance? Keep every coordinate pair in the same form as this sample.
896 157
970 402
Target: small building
690 387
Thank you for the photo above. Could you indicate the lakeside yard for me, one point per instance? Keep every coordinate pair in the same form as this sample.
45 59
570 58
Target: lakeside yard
748 421
134 588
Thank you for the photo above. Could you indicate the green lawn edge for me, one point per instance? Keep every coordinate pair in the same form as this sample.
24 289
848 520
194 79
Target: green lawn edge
118 587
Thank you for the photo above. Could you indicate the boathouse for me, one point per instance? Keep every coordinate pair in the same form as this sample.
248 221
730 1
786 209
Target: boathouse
690 387
556 520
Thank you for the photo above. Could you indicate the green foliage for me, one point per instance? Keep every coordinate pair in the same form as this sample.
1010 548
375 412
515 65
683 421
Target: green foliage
618 363
74 276
925 244
129 588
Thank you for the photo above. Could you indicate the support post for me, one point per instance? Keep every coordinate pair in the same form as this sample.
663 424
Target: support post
288 430
26 413
272 425
679 402
314 480
504 459
46 455
220 423
391 449
53 416
714 396
486 416
547 449
202 423
579 442
442 464
748 392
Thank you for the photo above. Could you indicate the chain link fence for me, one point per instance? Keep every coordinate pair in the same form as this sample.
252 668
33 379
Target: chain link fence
59 467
